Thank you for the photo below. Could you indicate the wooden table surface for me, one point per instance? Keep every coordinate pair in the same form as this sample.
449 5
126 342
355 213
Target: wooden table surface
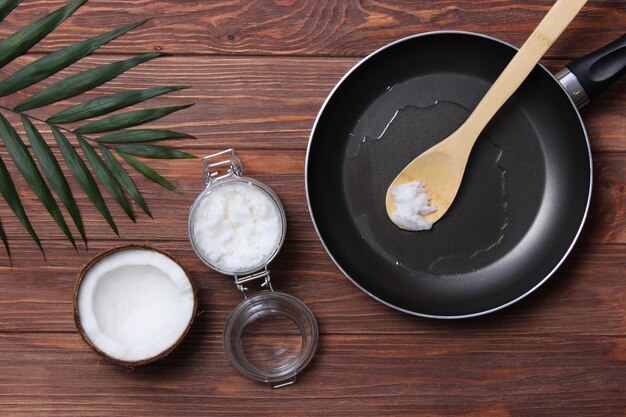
260 71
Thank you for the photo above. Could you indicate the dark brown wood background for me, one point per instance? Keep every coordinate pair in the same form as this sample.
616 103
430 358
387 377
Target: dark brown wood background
260 71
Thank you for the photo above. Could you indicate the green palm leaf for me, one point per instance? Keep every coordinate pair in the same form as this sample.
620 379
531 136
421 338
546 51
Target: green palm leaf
147 172
123 178
83 81
153 151
83 176
105 176
107 169
3 236
107 104
51 168
8 191
25 38
141 135
56 61
7 7
130 119
26 165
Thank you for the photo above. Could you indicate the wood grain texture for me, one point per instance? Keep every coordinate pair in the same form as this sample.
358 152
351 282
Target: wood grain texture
268 102
312 27
585 297
260 71
351 375
284 172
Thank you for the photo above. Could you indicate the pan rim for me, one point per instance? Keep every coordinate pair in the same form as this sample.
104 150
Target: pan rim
416 313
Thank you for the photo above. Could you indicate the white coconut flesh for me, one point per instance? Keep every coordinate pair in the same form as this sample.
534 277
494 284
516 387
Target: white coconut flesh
135 304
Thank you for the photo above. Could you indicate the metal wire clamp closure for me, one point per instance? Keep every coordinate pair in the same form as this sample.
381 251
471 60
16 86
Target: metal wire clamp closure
235 167
263 274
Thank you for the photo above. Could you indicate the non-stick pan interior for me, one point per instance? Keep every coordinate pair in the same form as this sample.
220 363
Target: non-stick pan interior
522 201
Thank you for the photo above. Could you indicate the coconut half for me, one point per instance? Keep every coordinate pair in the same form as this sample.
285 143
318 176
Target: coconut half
134 304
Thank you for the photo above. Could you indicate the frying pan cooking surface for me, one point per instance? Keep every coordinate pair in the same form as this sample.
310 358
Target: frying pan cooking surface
523 199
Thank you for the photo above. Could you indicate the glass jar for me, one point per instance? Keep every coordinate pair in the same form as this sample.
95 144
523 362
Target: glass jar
229 248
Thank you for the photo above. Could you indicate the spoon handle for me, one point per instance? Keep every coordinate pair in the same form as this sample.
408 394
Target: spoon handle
546 33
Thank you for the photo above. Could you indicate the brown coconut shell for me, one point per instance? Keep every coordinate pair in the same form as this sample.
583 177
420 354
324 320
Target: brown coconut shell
82 332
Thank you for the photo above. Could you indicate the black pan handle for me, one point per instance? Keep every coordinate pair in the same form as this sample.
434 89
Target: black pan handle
586 77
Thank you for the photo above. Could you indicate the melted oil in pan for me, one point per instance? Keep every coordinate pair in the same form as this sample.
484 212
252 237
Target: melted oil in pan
470 234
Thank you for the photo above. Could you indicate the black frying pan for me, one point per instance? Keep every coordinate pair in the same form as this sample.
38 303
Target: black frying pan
524 197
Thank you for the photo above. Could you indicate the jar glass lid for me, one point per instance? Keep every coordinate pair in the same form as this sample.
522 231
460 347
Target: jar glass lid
270 337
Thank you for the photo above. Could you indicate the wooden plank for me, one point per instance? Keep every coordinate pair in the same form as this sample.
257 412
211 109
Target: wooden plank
284 172
584 297
57 374
267 103
264 103
333 27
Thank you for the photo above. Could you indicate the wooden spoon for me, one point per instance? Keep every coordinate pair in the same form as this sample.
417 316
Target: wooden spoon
441 167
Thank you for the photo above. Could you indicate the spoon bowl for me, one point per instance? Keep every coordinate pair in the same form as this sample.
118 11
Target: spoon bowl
441 169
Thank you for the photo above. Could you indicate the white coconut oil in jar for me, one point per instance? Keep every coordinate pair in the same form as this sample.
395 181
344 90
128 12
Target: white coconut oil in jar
237 226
